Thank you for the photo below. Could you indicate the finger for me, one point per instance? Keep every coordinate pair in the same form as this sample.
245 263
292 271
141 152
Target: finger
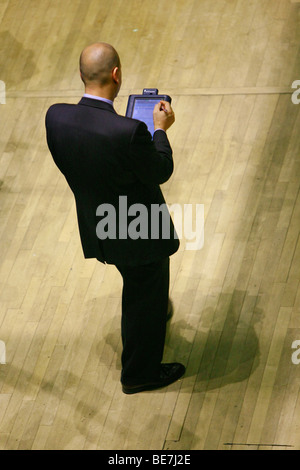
157 108
166 106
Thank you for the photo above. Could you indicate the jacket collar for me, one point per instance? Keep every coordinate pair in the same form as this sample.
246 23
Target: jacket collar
96 104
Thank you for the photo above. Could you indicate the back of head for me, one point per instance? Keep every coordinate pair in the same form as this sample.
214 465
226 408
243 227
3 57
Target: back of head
97 62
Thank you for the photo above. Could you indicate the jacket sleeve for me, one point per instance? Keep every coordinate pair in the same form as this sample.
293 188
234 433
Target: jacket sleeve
151 160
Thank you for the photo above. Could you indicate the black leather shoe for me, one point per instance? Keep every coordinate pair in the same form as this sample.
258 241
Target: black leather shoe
169 373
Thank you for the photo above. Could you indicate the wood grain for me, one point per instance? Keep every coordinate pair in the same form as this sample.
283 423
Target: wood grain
229 67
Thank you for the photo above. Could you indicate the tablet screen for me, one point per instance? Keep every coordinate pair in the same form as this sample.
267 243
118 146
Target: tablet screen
143 111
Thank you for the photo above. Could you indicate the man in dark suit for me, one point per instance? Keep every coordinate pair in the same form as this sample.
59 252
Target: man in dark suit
112 162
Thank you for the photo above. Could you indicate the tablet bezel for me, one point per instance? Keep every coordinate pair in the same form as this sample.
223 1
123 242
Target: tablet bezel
132 98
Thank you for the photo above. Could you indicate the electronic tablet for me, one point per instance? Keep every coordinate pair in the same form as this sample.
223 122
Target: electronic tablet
141 106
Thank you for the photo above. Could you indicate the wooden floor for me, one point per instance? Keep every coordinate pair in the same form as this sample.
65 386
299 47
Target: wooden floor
229 66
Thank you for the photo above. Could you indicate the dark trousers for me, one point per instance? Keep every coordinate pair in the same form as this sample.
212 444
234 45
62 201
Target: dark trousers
144 310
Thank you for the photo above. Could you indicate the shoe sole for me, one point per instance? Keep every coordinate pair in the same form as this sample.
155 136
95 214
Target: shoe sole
130 390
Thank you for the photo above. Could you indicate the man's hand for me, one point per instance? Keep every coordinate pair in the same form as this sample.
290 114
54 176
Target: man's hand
163 115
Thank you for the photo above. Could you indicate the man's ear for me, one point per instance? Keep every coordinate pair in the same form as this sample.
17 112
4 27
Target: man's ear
116 74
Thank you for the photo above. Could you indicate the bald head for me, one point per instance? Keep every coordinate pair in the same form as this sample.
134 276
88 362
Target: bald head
97 62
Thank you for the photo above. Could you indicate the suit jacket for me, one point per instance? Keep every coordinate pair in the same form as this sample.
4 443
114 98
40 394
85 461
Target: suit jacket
105 156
